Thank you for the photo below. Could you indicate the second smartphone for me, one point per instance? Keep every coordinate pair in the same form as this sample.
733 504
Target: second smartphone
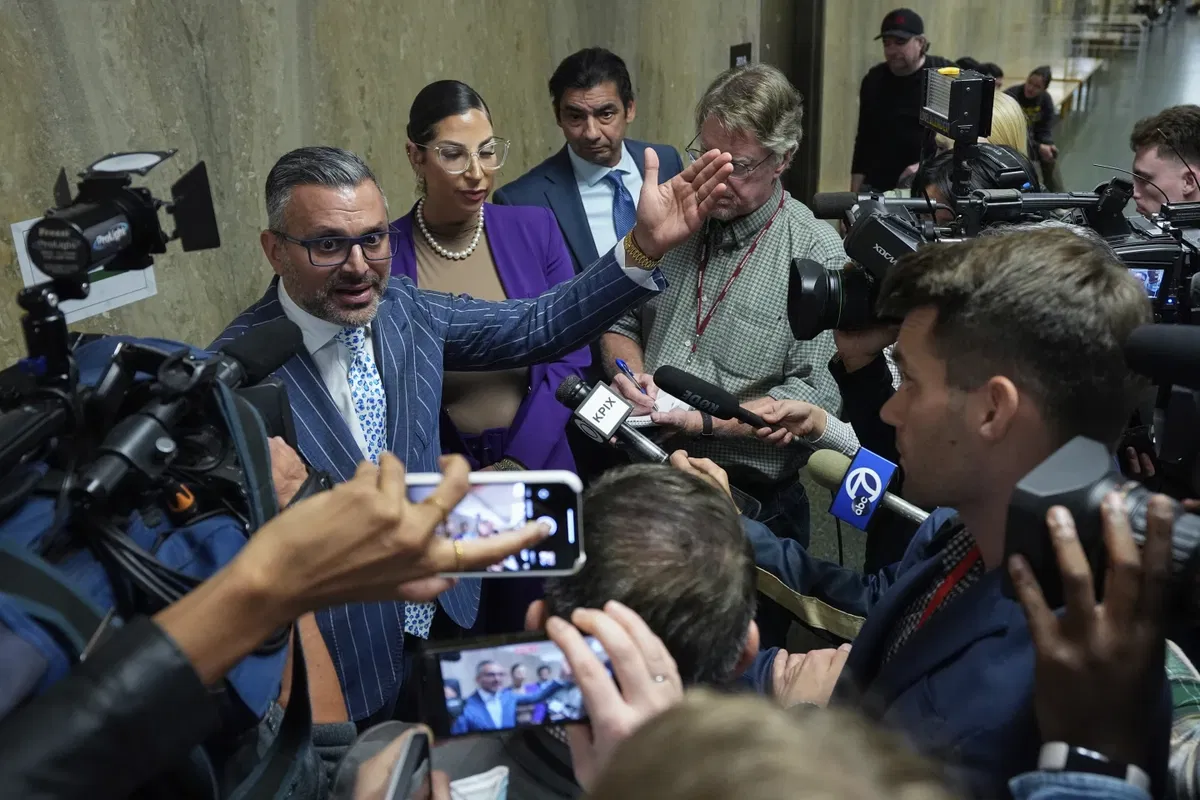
503 501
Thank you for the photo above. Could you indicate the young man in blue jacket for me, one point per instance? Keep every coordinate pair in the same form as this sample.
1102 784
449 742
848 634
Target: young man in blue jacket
1010 346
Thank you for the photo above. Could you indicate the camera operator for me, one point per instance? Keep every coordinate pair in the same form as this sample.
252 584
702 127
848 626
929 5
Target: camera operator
1166 158
1010 345
102 732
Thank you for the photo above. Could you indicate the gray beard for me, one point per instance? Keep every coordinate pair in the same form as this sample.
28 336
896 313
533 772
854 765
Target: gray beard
322 306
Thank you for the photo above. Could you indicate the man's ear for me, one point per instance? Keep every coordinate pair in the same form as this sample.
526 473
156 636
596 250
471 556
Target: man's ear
271 245
749 650
630 111
535 616
1000 402
785 162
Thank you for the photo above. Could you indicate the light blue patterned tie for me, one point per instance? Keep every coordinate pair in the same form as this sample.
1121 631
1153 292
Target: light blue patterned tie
370 405
624 211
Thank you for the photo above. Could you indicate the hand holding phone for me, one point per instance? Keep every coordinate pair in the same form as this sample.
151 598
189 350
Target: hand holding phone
648 678
498 502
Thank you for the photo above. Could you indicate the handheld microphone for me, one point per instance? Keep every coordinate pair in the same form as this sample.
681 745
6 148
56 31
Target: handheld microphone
575 393
828 468
255 355
705 396
1165 353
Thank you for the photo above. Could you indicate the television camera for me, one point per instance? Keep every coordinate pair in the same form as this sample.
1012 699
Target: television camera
142 424
990 186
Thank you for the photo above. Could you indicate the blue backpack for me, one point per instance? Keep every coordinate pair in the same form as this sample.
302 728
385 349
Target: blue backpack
60 607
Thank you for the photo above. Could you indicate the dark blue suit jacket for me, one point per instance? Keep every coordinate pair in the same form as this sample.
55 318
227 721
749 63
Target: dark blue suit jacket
475 716
416 335
551 184
962 687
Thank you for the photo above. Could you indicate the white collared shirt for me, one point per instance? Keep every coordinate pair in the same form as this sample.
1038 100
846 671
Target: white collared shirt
597 194
495 709
332 359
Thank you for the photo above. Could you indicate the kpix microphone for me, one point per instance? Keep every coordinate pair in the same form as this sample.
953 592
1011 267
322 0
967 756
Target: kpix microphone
600 413
829 468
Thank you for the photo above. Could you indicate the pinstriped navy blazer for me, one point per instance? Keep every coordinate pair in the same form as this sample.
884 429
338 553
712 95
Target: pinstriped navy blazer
416 335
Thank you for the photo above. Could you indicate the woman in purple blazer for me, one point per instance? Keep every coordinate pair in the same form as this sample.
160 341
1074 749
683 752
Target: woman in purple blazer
453 241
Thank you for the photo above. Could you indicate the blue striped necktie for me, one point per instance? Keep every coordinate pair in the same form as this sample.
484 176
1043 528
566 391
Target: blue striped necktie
624 211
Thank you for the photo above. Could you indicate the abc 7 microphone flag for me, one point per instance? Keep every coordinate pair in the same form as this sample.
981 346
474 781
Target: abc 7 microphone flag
862 489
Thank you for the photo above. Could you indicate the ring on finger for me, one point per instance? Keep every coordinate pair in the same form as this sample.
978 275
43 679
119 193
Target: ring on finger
660 678
458 555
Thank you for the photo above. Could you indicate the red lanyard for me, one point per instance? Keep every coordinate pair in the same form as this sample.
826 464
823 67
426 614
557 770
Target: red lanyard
702 323
957 574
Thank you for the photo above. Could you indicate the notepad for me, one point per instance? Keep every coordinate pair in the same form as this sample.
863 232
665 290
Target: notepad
663 402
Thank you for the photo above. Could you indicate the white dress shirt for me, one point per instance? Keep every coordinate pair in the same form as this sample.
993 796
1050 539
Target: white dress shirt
597 194
492 702
332 359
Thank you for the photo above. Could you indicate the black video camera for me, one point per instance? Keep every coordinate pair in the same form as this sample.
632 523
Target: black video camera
1078 476
1164 253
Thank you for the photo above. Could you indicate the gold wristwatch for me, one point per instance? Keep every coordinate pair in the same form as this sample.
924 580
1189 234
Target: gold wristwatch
634 254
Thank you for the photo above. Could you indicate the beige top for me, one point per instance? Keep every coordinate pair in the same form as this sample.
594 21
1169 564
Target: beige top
475 401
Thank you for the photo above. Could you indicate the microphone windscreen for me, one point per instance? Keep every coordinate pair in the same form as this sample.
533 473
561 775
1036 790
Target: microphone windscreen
567 393
1166 353
265 348
697 393
827 468
833 205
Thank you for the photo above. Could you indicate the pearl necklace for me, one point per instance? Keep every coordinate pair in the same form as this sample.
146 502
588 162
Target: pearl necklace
437 248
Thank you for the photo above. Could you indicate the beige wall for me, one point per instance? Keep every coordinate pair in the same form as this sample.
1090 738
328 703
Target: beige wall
1016 34
239 83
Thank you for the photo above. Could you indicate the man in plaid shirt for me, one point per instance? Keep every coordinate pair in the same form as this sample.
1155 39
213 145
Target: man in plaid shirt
723 317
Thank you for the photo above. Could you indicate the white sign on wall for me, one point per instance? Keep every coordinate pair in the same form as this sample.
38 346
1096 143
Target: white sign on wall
109 289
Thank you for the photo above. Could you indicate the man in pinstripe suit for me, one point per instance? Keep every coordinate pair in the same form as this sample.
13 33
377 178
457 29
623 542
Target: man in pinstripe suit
370 376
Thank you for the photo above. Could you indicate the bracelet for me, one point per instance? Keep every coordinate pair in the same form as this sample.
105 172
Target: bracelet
637 255
706 424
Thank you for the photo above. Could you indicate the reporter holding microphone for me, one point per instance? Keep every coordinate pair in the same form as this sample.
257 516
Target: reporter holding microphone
1010 345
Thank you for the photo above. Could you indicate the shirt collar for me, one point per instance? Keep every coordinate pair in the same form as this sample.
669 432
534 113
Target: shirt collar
317 332
737 233
591 174
488 696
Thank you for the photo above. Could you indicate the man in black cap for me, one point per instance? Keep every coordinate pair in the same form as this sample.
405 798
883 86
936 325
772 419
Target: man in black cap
890 137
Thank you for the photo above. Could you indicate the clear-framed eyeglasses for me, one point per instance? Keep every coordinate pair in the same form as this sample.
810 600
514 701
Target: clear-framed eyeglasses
741 170
456 159
328 252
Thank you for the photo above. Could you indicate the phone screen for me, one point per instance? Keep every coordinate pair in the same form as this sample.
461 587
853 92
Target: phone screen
506 686
1151 280
492 508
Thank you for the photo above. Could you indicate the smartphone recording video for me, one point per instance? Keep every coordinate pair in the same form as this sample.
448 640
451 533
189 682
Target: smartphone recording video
517 681
504 501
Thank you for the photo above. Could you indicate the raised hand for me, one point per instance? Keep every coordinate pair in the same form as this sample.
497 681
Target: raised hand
1099 666
670 212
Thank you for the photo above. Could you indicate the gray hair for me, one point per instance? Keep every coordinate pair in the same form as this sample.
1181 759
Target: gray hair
756 99
312 166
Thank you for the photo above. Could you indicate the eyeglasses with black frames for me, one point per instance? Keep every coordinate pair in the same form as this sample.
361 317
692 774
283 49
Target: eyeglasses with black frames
333 251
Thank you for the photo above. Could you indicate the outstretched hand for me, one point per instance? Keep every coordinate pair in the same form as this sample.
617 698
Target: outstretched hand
670 212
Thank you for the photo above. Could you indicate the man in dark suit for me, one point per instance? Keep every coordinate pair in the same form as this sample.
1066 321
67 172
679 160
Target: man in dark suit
593 104
943 654
370 375
592 184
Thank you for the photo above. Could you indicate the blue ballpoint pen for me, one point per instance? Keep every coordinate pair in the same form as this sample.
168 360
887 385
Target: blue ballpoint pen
621 365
